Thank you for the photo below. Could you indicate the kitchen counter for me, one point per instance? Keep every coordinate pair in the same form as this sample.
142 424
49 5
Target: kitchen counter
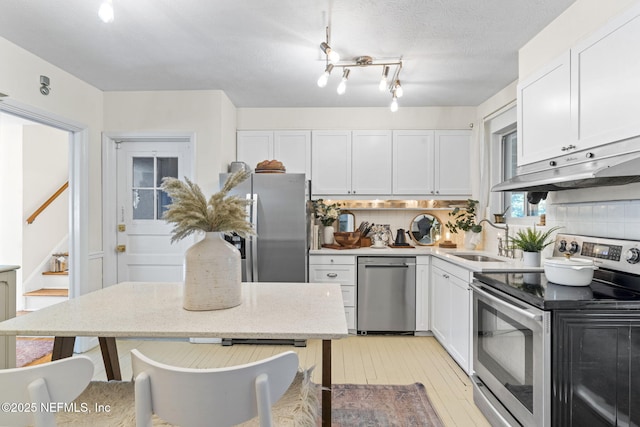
506 264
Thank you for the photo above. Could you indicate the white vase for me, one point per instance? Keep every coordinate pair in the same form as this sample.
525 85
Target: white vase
327 235
212 274
531 259
471 239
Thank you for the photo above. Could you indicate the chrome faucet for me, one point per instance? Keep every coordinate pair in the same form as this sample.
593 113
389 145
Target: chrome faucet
503 246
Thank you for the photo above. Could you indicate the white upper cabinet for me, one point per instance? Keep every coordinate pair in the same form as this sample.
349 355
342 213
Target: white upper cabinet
432 163
606 83
253 147
292 148
587 98
544 112
351 163
371 162
452 163
331 162
413 159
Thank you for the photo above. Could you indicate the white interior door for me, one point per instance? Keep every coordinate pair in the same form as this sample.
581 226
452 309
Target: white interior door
144 248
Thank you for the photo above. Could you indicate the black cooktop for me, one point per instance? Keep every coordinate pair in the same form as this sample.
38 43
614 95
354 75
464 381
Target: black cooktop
535 289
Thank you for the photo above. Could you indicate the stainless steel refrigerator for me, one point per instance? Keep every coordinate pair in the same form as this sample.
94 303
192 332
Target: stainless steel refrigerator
280 214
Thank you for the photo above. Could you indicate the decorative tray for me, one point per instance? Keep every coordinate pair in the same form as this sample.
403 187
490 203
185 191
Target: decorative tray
333 246
402 247
271 171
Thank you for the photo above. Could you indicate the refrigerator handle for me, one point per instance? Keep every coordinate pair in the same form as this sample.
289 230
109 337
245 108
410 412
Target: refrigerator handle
254 239
248 242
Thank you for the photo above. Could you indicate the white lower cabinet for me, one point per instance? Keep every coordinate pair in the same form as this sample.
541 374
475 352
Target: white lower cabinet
422 294
337 269
450 305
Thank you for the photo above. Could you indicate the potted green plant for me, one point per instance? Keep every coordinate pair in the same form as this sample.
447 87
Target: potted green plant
532 241
213 272
464 219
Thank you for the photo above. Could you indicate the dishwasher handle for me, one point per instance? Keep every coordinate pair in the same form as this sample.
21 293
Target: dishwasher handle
386 266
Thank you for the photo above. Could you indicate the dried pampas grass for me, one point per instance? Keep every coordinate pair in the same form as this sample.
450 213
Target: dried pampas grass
190 211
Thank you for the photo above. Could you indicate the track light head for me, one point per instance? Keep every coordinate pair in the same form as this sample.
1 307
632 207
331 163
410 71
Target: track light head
332 55
342 87
394 104
397 89
324 78
383 80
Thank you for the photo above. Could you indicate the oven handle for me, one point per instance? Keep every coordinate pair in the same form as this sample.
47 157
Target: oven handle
525 313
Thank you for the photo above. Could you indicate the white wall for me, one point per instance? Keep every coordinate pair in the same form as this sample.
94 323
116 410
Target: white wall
70 100
208 114
44 149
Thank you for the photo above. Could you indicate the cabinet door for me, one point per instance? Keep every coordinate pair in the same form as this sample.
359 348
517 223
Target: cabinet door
293 149
412 162
453 163
252 147
371 162
544 112
606 67
330 162
440 306
460 339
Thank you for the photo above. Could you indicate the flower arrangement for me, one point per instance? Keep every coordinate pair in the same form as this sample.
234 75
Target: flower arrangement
190 211
532 240
327 214
464 220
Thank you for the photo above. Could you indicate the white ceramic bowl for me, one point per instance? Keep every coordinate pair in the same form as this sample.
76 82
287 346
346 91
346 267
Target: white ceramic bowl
569 271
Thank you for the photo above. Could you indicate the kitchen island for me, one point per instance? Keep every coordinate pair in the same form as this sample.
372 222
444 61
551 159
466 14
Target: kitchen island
154 309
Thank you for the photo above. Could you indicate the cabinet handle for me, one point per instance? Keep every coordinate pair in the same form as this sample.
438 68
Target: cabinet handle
568 147
332 275
446 276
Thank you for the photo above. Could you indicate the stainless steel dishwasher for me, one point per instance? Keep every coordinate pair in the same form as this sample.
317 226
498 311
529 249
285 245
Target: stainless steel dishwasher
386 294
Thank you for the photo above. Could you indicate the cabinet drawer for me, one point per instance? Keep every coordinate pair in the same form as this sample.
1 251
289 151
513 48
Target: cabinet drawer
455 270
332 259
343 274
349 295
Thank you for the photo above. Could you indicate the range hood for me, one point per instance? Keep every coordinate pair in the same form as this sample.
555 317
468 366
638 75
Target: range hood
572 171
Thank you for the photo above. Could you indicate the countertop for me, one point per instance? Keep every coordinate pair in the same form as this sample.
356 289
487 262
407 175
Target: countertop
141 309
5 268
504 265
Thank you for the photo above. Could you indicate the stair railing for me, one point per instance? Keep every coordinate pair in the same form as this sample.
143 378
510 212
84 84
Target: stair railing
47 203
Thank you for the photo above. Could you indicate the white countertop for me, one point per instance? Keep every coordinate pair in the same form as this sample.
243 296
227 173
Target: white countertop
140 309
5 268
506 264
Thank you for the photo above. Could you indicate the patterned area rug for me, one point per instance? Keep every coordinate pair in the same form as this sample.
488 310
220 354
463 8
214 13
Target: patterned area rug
352 405
30 349
382 405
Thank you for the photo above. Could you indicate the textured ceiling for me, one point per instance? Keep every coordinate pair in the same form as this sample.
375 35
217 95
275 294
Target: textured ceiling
265 53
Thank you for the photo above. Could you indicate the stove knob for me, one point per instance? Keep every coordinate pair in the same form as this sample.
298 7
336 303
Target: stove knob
574 247
633 255
562 246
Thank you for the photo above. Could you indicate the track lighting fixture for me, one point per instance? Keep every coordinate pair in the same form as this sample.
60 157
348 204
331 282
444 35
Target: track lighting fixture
106 11
342 87
332 61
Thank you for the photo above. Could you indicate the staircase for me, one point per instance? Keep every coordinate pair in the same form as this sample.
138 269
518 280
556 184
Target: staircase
55 289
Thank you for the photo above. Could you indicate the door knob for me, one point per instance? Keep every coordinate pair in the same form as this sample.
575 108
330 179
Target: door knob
121 248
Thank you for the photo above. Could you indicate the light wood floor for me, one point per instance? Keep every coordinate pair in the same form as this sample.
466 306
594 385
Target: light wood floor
356 360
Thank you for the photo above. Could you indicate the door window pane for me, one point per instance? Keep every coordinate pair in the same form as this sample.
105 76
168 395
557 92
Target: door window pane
167 167
143 204
143 171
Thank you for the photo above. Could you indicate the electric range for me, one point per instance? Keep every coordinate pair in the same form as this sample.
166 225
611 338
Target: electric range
546 354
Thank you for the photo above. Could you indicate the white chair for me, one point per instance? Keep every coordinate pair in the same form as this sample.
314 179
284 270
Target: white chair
210 397
32 395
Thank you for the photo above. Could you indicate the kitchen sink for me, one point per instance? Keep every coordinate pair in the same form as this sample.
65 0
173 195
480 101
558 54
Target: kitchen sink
478 258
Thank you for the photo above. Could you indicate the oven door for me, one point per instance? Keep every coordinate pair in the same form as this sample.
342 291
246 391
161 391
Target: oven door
511 355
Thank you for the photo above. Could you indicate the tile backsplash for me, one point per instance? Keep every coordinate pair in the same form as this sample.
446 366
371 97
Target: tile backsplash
614 219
